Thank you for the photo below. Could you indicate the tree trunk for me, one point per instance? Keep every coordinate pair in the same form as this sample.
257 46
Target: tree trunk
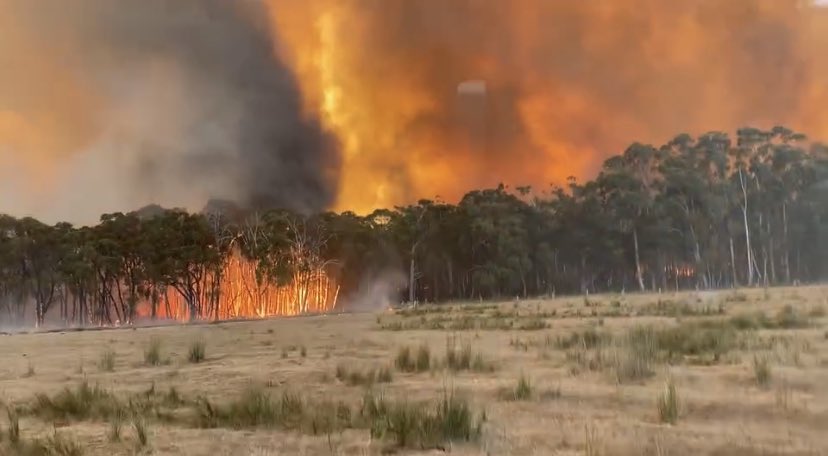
735 282
747 228
787 247
411 279
637 261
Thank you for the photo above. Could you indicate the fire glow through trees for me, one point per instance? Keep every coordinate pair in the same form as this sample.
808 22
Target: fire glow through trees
353 105
244 296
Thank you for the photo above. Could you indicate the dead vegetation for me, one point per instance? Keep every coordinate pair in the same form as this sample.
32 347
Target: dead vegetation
656 367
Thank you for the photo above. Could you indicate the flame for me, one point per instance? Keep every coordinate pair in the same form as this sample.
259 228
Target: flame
567 83
242 296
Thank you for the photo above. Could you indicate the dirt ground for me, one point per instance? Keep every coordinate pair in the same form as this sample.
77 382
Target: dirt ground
575 407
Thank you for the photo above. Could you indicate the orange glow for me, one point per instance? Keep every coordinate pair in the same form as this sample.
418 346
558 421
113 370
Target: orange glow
242 297
568 83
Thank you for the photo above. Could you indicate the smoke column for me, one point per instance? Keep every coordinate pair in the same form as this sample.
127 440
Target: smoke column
566 83
110 105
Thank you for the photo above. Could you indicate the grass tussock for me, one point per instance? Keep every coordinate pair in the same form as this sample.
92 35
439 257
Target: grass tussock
107 361
668 404
633 356
116 425
761 371
406 362
13 431
462 358
523 391
363 378
152 352
141 432
257 409
30 370
681 308
83 402
786 318
197 352
411 425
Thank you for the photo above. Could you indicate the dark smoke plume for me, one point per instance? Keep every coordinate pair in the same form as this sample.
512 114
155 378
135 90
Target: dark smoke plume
174 102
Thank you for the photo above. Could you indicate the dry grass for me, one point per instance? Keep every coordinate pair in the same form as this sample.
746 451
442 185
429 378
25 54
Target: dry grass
747 367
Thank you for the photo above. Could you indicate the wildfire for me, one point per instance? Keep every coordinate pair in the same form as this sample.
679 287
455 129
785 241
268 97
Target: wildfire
568 82
242 296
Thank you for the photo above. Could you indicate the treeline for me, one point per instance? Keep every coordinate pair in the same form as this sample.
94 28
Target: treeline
705 212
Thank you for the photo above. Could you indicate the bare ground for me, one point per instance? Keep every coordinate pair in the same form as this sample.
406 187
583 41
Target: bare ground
574 408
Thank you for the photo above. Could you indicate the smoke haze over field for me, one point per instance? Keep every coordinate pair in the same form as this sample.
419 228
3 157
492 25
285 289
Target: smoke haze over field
110 105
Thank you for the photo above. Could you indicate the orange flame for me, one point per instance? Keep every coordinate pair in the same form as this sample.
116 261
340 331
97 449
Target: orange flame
242 296
566 83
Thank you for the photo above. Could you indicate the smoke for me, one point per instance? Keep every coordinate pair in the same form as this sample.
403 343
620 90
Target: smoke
561 84
377 290
109 106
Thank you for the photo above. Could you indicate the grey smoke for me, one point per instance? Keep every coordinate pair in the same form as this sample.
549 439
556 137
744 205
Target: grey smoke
192 103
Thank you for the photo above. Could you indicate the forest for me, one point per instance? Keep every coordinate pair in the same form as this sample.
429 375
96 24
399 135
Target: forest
713 211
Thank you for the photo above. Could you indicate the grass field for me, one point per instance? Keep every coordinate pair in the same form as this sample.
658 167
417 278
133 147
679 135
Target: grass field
723 373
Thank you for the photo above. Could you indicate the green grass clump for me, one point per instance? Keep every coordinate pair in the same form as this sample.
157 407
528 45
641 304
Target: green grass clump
197 352
668 404
761 371
152 353
107 361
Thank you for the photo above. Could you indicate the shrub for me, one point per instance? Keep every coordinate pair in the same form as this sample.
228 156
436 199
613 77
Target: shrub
197 352
152 353
761 371
668 404
107 361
